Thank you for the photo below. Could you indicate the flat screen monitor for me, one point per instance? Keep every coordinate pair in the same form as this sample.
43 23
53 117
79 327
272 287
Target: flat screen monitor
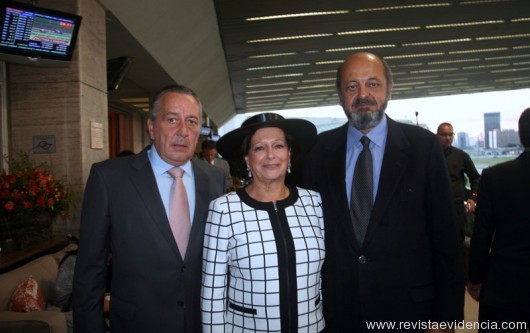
205 131
29 34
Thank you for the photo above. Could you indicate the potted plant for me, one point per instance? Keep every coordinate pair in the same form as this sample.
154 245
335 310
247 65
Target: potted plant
30 199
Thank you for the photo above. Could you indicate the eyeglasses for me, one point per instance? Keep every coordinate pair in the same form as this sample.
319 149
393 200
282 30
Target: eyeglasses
445 135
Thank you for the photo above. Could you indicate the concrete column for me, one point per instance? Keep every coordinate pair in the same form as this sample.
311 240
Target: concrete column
65 102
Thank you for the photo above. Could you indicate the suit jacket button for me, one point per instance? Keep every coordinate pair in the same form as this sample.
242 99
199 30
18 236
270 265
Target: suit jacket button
183 269
362 259
180 303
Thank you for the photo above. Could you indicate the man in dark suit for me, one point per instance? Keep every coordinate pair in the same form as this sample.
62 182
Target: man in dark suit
209 155
499 259
154 287
406 266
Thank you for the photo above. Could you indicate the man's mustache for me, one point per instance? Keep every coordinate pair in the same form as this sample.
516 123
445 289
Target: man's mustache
365 101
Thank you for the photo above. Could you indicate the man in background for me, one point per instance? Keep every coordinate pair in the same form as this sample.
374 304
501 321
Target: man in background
209 155
156 259
393 253
461 169
499 260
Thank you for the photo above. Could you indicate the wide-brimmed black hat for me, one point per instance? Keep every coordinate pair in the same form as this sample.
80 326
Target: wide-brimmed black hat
302 132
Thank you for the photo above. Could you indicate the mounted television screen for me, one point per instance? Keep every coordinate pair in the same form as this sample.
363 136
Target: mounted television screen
28 33
205 131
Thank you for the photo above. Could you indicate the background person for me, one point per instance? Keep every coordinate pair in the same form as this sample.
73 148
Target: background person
461 169
155 287
264 246
396 256
499 261
209 155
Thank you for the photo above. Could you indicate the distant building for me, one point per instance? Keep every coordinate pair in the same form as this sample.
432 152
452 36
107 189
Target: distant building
492 122
508 138
462 140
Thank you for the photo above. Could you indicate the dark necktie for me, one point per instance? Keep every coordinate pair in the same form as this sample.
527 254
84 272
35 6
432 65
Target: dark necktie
361 201
179 211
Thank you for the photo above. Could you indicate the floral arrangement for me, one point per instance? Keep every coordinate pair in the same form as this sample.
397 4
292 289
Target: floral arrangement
31 190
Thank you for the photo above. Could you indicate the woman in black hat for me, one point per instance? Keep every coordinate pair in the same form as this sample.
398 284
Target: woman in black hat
264 245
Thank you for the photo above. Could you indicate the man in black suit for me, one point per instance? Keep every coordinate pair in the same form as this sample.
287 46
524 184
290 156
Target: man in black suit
499 260
405 267
125 211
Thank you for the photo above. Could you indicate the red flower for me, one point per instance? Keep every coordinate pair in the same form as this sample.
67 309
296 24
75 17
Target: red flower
30 189
9 206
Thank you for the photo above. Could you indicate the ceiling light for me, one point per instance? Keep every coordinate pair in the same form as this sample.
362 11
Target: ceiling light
315 100
277 66
272 84
300 93
250 92
277 39
504 37
424 77
265 97
264 104
523 19
479 50
463 24
486 66
511 70
443 4
509 57
284 16
319 80
418 55
412 65
445 62
371 31
305 97
435 70
271 55
274 76
322 72
449 81
329 62
477 2
434 42
408 84
316 86
353 48
511 79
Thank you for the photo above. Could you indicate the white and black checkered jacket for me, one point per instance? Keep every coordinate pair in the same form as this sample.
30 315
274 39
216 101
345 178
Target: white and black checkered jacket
261 264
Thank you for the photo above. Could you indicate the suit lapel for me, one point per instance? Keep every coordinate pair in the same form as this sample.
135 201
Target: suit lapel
201 209
335 173
145 182
395 161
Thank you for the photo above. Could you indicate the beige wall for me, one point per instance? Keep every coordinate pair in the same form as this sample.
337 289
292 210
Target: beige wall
63 101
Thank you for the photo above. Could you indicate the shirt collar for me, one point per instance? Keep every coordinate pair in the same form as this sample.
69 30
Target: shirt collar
160 166
377 134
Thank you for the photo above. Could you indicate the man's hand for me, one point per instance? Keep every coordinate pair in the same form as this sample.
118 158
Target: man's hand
474 290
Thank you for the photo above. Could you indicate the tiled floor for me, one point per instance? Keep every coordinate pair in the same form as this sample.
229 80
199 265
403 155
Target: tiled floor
470 314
